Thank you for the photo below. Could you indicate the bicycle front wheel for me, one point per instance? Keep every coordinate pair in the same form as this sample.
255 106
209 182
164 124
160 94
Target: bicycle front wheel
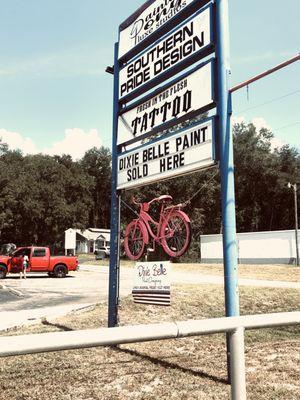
175 234
134 242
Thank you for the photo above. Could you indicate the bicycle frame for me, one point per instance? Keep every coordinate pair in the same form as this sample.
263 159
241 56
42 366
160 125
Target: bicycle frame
166 231
145 219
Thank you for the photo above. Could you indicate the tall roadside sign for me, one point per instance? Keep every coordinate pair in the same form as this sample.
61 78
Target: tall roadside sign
164 75
171 69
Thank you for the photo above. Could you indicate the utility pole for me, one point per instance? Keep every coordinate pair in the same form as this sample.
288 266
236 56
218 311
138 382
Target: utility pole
294 186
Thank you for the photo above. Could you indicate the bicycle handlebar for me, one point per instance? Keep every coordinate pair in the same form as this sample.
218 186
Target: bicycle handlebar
181 205
149 202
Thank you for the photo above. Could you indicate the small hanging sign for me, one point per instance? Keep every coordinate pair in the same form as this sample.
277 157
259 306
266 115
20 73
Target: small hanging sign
152 283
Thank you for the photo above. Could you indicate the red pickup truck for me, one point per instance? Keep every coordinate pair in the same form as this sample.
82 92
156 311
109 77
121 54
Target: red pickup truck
39 261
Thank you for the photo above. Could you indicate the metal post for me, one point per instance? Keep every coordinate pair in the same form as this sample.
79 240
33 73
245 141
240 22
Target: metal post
238 373
113 295
227 169
296 224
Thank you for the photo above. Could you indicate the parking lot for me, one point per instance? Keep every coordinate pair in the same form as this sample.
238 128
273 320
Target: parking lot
88 285
41 296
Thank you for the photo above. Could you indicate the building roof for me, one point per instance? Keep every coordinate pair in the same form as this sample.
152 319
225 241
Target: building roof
93 233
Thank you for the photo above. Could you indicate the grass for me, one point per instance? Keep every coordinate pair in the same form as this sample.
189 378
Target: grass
269 272
266 272
188 368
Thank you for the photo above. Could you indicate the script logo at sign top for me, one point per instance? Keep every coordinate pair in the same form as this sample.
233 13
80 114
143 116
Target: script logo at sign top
154 17
177 46
188 94
173 155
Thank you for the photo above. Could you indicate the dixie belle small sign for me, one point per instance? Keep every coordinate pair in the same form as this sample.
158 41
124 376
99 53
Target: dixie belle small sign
152 283
186 95
177 46
172 155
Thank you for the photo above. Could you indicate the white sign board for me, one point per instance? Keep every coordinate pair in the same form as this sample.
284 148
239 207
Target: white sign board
152 283
188 94
152 18
178 45
172 155
70 239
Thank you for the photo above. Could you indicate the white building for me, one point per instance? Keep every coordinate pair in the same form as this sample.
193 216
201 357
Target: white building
86 241
273 247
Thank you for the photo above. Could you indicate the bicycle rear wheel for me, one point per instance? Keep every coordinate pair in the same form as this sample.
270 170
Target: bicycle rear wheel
134 242
176 234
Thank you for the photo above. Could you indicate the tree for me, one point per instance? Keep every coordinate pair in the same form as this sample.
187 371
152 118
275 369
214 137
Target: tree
261 180
43 197
97 163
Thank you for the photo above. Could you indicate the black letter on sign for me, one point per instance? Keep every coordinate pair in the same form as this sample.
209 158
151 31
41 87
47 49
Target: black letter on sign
187 101
144 122
134 124
176 106
164 109
153 115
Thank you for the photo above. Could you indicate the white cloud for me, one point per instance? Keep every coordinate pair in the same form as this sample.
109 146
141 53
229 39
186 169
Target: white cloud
76 142
277 143
260 123
238 120
16 141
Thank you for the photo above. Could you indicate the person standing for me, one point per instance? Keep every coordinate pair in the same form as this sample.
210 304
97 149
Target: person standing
25 263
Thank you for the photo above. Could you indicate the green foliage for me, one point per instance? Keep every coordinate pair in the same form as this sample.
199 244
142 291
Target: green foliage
42 196
97 164
263 200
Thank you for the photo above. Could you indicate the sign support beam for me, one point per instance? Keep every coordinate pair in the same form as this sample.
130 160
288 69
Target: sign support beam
227 189
114 264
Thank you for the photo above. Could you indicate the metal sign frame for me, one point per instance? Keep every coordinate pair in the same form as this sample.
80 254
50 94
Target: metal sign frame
185 13
163 88
178 67
170 136
225 139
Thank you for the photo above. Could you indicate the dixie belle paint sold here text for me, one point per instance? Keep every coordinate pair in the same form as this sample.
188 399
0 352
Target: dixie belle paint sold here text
173 155
179 45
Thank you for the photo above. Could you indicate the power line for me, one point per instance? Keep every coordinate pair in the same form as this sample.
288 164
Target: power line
269 101
285 126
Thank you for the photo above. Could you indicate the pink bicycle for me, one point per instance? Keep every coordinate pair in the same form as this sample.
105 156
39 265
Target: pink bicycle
172 231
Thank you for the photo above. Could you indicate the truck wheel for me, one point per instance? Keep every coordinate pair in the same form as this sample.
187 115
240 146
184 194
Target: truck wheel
3 272
60 271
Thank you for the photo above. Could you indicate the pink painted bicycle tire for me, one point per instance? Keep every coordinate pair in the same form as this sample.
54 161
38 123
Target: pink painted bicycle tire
132 228
173 252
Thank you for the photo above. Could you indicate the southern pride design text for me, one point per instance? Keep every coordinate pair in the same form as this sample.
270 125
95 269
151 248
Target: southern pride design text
181 44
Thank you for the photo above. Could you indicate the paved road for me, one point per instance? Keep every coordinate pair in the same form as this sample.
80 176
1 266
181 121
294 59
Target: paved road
88 285
39 296
26 301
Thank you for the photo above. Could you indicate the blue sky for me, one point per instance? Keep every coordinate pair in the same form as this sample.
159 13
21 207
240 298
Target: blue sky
55 95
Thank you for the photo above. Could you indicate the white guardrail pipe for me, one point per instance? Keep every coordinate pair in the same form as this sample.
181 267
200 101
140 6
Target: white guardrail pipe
55 341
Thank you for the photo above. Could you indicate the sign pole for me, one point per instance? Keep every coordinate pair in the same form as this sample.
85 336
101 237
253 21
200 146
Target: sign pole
114 264
236 349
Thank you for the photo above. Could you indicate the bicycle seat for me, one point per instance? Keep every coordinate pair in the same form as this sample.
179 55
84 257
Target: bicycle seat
165 197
